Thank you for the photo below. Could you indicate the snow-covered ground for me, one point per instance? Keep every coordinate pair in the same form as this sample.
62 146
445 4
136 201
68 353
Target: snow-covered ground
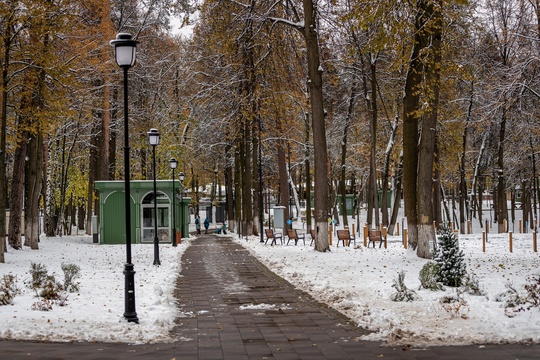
356 281
95 312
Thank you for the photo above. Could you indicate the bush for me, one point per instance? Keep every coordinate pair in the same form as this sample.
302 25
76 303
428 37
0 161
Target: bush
515 301
429 275
533 291
39 275
402 292
8 289
71 272
511 298
471 286
43 305
455 305
46 288
51 289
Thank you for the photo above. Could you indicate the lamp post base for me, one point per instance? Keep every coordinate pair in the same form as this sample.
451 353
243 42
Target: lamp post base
129 313
156 252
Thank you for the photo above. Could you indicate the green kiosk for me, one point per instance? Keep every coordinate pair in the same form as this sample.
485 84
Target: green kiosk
112 214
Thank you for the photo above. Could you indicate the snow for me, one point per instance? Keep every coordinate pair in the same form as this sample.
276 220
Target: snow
95 312
356 281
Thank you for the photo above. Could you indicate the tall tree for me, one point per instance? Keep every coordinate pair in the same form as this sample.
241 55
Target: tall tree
309 29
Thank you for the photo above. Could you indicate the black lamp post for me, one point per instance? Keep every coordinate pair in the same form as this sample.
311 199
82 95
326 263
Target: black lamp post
124 53
181 177
153 138
261 206
173 164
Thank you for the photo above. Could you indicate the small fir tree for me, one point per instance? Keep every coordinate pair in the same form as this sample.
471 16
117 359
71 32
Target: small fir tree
452 268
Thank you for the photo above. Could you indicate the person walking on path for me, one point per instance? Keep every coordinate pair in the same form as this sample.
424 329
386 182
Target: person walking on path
206 225
198 224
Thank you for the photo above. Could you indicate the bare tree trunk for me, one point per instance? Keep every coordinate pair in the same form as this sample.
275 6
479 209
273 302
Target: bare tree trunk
437 214
284 195
3 129
426 233
229 189
398 192
17 194
113 136
319 128
35 183
104 137
238 216
309 29
256 184
463 193
92 177
411 104
477 174
247 201
502 208
387 153
348 120
373 188
80 214
308 174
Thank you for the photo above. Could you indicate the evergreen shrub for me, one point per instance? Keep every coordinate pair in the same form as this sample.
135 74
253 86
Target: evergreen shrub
450 258
429 276
402 292
8 289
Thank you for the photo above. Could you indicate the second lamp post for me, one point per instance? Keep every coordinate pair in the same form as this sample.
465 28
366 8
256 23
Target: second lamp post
153 137
173 163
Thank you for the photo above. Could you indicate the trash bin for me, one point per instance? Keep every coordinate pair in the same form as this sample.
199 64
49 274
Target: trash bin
279 217
95 235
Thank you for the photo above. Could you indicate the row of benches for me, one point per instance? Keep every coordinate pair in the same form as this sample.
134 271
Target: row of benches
343 235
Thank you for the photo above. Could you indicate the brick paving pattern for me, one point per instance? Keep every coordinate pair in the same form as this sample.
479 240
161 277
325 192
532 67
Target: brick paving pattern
235 308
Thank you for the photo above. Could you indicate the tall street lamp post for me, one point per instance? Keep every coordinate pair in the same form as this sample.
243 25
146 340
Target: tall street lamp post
181 177
173 164
124 53
261 206
153 138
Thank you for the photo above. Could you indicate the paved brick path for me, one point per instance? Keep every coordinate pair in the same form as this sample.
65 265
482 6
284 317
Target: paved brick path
220 288
237 309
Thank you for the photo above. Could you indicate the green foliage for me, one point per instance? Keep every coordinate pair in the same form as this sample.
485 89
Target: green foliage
429 275
8 289
450 259
71 272
39 275
471 286
51 289
48 289
402 292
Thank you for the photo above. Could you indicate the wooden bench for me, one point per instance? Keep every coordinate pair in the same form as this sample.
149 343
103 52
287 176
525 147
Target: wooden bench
312 234
344 235
376 235
270 234
292 234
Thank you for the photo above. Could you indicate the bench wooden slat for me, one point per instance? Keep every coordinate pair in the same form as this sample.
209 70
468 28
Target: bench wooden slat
292 234
312 233
274 236
376 235
344 235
